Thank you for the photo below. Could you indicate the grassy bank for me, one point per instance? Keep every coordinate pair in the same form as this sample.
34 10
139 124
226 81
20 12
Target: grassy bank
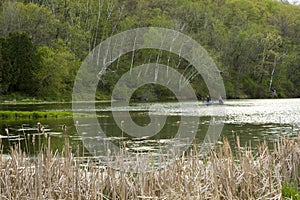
9 115
20 98
33 114
263 175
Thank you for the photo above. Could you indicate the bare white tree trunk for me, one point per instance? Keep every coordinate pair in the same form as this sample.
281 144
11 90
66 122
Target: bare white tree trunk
272 73
98 21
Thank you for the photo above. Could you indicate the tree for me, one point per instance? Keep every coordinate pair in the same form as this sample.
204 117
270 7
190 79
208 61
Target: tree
37 21
57 72
3 89
19 63
255 43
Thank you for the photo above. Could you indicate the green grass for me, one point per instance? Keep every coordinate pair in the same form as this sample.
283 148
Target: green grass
7 115
34 114
290 191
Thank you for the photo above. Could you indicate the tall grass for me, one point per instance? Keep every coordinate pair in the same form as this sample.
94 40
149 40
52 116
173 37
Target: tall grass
220 175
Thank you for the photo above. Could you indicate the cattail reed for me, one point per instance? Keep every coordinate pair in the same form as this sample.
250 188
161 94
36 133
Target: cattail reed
220 175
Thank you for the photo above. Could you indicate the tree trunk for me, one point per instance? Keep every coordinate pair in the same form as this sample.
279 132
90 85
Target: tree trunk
272 73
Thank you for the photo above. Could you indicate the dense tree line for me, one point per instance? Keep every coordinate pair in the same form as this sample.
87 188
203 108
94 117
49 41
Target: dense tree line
255 43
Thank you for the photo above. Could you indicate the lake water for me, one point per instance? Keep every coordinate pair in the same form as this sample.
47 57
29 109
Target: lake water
251 120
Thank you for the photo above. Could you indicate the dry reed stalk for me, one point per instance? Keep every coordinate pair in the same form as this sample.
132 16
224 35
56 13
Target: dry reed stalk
221 175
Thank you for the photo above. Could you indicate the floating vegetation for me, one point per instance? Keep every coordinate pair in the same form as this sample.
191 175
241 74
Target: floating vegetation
220 175
37 114
34 114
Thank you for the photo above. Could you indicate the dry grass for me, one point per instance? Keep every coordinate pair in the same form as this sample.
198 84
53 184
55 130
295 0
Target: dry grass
221 175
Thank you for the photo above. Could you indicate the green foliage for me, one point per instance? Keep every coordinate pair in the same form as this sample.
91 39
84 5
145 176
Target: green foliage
19 62
290 191
57 72
3 86
255 43
37 21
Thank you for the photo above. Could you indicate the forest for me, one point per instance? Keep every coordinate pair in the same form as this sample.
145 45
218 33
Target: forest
254 43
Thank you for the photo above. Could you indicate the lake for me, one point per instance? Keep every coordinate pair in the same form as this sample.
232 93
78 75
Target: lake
251 120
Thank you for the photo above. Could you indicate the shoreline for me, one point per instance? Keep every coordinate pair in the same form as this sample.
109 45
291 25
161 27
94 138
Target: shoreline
46 102
22 102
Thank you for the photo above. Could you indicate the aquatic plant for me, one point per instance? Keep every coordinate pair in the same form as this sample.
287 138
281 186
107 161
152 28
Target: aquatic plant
220 175
33 114
38 114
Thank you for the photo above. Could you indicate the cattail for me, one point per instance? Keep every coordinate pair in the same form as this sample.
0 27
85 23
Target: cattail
64 127
220 175
39 127
33 139
7 132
